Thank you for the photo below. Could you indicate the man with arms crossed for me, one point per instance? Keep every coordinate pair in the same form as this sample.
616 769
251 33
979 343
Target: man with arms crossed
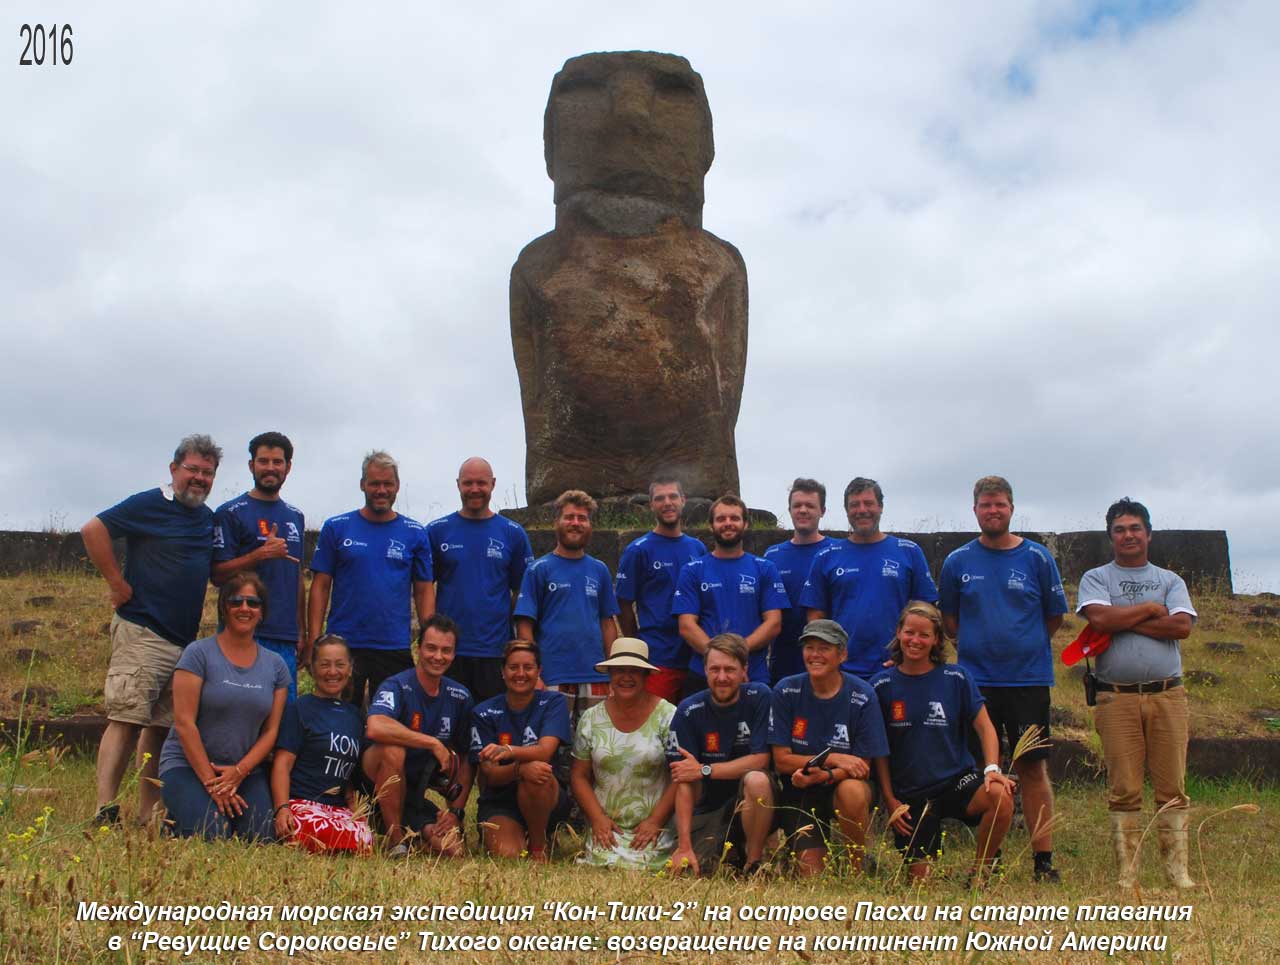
259 531
864 582
719 753
158 600
1002 600
729 591
416 715
1142 706
647 575
807 503
478 558
372 561
825 708
567 596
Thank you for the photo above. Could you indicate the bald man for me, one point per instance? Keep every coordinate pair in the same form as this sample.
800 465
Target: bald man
479 559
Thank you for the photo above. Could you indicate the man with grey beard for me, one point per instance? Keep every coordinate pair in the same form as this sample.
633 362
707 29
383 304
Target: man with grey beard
158 599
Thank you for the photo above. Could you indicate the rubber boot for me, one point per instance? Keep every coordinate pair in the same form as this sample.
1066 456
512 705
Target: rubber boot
1174 839
1126 832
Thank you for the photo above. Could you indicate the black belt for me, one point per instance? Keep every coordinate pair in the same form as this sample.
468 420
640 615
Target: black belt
1153 687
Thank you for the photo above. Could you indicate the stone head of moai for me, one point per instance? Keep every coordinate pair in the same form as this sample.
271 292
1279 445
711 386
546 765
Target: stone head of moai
628 320
633 125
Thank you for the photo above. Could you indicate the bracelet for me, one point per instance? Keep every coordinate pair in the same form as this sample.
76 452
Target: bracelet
457 813
279 809
990 768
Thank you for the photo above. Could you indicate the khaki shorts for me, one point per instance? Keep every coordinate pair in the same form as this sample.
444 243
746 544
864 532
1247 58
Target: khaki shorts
139 688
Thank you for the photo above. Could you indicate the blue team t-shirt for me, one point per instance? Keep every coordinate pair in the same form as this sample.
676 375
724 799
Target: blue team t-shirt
1002 599
730 596
374 567
647 575
494 722
793 560
446 716
929 719
168 548
715 734
478 564
848 722
568 598
242 524
325 734
863 587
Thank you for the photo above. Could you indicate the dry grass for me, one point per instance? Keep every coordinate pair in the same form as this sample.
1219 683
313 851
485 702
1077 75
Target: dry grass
52 858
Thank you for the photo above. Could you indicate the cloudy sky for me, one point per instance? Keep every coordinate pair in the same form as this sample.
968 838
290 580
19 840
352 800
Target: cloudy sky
1037 239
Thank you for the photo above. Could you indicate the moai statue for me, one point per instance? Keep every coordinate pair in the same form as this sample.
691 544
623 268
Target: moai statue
629 321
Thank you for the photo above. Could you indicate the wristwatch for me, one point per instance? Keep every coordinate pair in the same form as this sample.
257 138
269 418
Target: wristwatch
457 813
706 770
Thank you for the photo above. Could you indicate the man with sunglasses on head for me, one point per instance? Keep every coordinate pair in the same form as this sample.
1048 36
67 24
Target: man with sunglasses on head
158 599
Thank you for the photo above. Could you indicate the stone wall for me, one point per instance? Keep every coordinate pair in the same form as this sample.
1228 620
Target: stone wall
1200 556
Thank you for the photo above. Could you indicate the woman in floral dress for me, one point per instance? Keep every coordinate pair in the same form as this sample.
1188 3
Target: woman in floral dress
620 776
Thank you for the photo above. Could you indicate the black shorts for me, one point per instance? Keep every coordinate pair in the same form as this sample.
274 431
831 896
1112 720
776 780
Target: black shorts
371 667
808 816
950 799
504 805
480 675
716 825
1012 711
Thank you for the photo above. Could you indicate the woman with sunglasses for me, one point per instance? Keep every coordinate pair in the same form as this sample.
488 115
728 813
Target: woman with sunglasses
228 697
316 756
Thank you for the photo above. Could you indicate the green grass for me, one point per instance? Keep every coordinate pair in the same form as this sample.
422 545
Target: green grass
52 858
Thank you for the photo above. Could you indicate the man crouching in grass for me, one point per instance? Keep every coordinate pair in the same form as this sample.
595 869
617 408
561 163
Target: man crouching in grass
418 722
825 709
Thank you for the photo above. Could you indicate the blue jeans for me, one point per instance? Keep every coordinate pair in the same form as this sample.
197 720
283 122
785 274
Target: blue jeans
193 812
288 651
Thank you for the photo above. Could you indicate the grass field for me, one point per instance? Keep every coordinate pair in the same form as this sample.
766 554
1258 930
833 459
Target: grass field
52 858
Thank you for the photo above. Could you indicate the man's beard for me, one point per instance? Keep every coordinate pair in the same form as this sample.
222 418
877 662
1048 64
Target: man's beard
727 544
191 497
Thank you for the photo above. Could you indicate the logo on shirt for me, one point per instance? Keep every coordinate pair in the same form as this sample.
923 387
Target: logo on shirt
445 547
707 586
890 568
713 742
353 542
263 528
504 739
593 587
446 728
415 722
966 577
673 745
841 571
219 542
746 584
385 699
657 564
840 738
937 716
1131 590
529 736
799 728
395 549
1017 580
291 532
496 548
899 711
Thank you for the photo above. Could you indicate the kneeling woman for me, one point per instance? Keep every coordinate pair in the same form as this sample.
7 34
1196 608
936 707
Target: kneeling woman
228 696
316 755
514 738
929 708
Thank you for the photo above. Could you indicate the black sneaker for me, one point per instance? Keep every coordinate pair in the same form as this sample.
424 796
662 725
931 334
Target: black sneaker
108 816
1046 874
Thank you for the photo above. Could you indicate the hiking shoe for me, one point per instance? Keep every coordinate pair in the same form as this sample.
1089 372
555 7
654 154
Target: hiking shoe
1046 875
108 816
398 851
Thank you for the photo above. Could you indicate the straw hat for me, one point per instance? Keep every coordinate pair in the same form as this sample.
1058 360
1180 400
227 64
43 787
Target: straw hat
627 652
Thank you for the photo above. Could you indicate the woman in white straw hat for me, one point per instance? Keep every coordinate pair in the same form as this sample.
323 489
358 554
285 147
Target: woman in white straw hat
620 776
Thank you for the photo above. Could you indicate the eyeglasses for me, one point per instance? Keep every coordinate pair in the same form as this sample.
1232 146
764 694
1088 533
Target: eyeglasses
252 602
199 471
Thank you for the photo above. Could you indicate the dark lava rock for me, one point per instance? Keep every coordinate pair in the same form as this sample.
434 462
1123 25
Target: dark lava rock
26 655
1206 678
1264 610
1262 626
36 695
1225 647
18 627
51 600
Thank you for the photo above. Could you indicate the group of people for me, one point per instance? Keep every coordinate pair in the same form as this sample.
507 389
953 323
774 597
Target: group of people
687 708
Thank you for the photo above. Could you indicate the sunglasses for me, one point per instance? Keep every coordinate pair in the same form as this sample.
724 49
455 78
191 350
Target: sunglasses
252 602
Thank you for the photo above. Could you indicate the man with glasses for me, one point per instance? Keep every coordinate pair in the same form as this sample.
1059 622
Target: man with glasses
158 599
